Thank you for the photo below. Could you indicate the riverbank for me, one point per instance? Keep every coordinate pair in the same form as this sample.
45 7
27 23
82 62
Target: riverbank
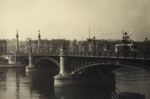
4 63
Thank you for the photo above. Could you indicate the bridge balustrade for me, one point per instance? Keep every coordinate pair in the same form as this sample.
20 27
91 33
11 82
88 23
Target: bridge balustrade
112 54
84 54
69 53
78 54
97 54
104 54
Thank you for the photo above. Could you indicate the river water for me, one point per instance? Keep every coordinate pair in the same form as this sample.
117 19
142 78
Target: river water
15 83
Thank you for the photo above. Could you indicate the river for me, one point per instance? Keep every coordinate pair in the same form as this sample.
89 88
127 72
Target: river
15 83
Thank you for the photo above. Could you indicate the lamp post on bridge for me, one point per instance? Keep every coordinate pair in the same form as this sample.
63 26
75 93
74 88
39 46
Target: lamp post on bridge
17 48
17 42
92 42
146 40
125 39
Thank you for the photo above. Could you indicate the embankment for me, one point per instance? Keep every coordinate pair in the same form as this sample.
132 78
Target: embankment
4 64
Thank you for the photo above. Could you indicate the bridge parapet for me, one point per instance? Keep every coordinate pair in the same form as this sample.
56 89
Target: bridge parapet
140 55
110 54
47 54
104 54
40 54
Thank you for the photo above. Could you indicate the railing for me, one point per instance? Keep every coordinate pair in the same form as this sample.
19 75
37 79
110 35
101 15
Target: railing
40 54
104 54
111 54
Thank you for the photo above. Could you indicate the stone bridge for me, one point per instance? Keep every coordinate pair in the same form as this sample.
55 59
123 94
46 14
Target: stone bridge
73 64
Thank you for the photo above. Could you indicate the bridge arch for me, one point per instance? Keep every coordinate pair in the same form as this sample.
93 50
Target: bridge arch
25 61
110 65
42 61
106 68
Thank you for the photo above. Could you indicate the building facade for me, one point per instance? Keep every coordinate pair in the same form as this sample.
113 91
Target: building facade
45 46
89 45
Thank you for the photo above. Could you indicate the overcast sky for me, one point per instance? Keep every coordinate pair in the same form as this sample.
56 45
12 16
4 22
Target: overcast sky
71 19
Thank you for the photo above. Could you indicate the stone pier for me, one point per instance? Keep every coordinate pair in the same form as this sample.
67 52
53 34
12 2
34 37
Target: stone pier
30 67
64 76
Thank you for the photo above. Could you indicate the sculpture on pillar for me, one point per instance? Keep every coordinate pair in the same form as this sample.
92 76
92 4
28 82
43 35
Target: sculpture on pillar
63 49
92 45
30 67
30 48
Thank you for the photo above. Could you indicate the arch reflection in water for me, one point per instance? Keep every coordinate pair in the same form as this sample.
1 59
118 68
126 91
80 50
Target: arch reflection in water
91 87
10 82
15 83
41 83
83 92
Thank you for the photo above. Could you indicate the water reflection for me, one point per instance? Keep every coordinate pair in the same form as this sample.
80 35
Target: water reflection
15 83
41 83
83 92
10 83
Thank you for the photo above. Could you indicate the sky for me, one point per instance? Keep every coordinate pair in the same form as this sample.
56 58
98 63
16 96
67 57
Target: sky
71 19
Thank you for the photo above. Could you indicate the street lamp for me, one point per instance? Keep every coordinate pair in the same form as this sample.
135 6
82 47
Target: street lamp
93 42
125 39
146 40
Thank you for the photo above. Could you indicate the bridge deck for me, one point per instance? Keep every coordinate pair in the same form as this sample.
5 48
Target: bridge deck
140 55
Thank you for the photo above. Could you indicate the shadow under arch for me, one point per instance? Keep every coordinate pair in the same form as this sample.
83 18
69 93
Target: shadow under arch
25 61
44 62
92 68
107 66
